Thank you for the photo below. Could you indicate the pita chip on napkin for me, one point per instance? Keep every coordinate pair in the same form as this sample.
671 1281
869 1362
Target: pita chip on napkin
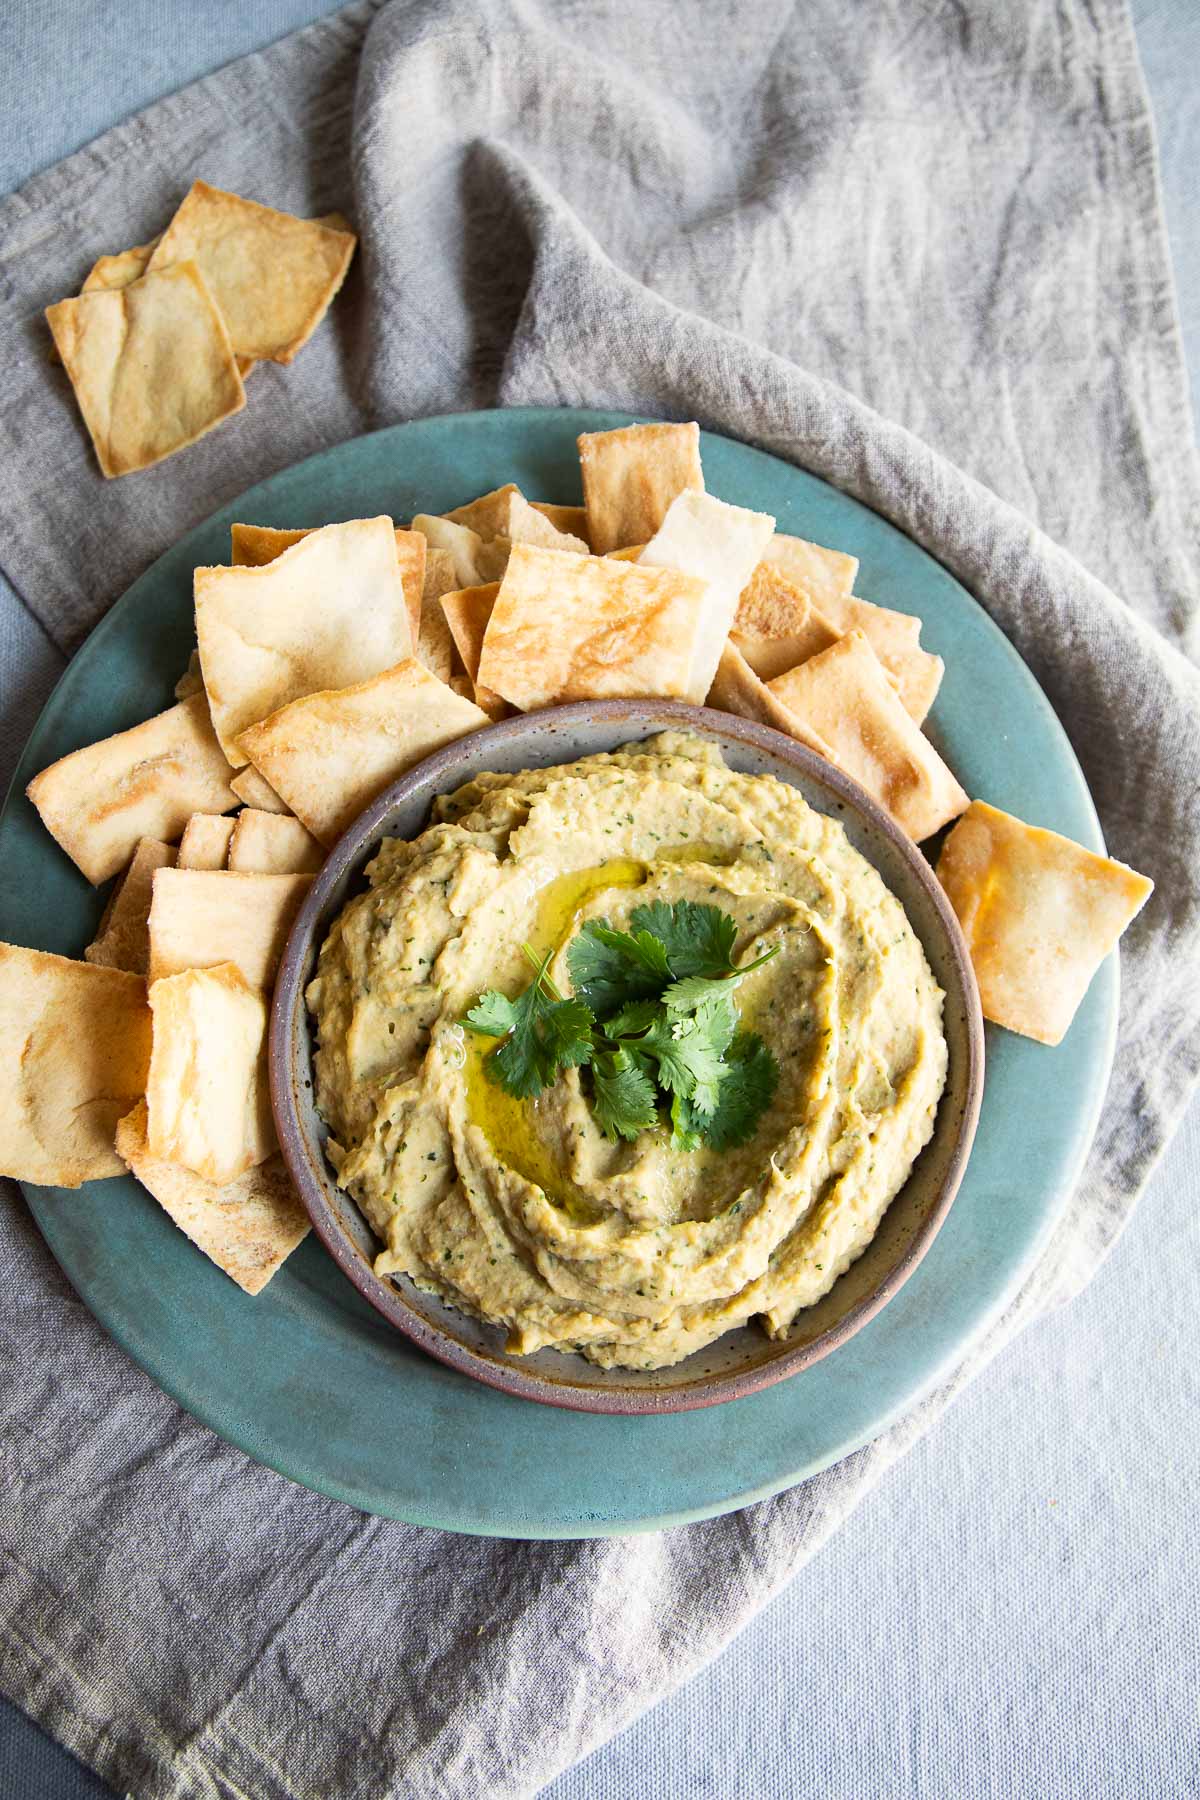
151 364
272 275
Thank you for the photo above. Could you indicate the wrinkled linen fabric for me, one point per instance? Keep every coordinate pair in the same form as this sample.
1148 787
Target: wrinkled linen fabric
918 254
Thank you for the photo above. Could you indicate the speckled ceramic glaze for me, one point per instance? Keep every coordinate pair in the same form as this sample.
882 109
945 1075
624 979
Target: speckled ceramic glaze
744 1360
314 1381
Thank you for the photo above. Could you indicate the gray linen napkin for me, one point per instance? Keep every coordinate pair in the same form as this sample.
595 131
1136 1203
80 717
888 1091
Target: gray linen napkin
879 252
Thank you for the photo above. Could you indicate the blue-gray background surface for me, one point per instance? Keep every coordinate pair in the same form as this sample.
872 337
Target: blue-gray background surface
1015 1611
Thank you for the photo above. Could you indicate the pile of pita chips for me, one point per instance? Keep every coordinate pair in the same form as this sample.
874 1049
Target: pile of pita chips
158 341
333 658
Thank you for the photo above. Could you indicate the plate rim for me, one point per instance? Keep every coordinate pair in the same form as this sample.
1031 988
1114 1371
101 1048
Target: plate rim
835 1447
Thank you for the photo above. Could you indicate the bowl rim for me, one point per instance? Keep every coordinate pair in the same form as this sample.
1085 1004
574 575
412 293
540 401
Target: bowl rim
350 851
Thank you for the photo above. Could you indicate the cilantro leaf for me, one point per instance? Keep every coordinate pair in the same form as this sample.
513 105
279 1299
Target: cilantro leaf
567 1032
684 1122
623 1096
751 1077
688 1056
541 1035
637 1017
697 939
611 968
493 1014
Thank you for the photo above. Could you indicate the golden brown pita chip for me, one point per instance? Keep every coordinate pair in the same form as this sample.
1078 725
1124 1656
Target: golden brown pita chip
205 842
467 612
570 519
126 266
629 553
123 940
253 546
1039 913
272 275
267 843
208 1104
737 689
568 627
824 575
328 612
776 625
826 578
191 681
119 270
145 782
844 695
247 1228
151 365
631 476
202 917
721 545
252 790
74 1054
330 754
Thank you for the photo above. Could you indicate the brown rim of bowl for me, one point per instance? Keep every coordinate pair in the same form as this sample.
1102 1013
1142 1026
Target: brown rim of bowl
311 1181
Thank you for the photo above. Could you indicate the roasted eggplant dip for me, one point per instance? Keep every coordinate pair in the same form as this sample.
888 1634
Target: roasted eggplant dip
622 1054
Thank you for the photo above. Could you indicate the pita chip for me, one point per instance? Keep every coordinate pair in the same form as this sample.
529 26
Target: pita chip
474 560
844 695
776 626
208 1106
252 790
253 546
202 917
146 782
328 612
272 275
118 270
191 681
721 545
205 842
467 612
76 1043
824 575
571 520
330 754
737 689
1039 913
248 1227
268 843
630 478
151 365
568 627
123 940
505 513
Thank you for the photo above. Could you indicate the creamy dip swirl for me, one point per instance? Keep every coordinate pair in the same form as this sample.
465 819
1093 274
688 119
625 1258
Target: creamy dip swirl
520 1212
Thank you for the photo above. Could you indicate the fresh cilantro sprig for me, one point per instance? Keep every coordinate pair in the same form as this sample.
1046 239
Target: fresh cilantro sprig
653 1019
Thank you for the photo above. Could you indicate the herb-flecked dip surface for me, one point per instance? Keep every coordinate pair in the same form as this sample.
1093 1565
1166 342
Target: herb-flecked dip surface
634 1251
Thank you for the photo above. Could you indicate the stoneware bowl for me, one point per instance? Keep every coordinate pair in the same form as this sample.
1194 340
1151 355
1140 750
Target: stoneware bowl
744 1360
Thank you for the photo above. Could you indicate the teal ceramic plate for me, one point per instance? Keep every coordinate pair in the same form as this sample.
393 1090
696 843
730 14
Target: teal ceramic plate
306 1377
